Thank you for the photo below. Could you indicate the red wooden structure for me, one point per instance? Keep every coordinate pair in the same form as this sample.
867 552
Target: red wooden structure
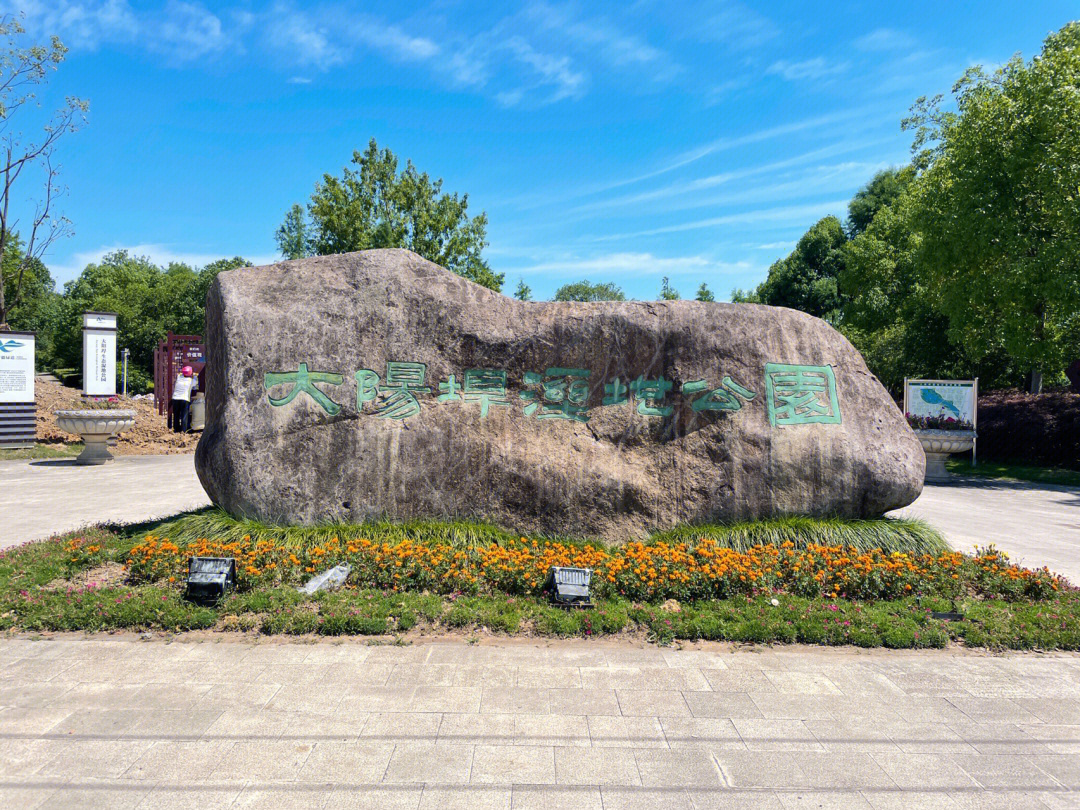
171 355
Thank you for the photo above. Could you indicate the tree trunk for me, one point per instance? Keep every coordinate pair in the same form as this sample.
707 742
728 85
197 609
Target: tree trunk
1035 382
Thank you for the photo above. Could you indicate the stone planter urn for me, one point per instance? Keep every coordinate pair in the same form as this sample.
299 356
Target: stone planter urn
95 427
939 445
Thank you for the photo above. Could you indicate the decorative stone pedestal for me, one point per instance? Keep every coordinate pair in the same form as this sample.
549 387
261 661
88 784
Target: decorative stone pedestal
939 445
95 427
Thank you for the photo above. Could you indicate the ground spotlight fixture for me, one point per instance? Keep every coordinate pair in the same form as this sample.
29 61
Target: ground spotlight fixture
569 587
209 578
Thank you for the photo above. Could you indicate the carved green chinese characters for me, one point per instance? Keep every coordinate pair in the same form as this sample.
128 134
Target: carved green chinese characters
303 380
486 386
564 394
794 394
724 398
649 394
800 395
403 382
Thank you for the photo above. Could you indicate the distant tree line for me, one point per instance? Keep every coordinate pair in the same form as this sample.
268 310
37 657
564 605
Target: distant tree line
150 301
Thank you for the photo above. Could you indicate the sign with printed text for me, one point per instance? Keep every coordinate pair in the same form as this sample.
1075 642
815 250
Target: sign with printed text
945 399
99 362
790 394
16 367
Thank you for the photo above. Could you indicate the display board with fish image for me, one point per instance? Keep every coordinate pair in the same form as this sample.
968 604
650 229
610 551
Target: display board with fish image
955 399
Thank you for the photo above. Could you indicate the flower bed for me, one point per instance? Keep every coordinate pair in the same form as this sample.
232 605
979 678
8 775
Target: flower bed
638 571
937 423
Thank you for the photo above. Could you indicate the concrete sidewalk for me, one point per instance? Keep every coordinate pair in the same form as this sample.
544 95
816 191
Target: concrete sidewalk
45 497
117 722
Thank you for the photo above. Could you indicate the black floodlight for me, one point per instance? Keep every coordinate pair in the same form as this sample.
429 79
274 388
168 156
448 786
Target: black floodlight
569 587
209 578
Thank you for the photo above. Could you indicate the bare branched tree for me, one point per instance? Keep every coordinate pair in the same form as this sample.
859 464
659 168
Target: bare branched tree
22 70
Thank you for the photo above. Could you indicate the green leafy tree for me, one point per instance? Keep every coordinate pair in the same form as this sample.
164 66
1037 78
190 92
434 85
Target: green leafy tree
999 205
882 190
888 312
292 235
741 296
376 206
38 301
667 292
523 291
586 291
807 278
704 293
22 69
149 300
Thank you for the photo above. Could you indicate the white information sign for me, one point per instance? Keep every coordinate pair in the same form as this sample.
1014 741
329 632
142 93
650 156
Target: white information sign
16 367
942 398
99 354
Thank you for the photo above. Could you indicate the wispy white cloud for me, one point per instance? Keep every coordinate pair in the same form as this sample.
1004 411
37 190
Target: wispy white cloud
885 39
189 31
731 23
603 39
305 40
393 40
630 264
180 30
84 25
551 71
816 68
299 80
785 214
687 188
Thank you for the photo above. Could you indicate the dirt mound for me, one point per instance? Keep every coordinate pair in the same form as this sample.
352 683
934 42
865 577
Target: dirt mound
1038 429
150 436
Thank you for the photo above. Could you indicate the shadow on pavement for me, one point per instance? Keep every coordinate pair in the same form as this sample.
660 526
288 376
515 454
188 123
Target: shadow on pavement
53 462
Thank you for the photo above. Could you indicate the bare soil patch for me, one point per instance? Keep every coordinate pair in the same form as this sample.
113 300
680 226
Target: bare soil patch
150 436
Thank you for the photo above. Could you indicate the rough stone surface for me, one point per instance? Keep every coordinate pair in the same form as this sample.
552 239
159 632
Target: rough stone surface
618 475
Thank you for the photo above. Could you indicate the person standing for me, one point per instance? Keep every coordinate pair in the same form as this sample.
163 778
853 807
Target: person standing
183 388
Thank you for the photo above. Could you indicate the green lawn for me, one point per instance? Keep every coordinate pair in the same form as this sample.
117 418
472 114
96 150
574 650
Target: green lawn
42 451
1015 472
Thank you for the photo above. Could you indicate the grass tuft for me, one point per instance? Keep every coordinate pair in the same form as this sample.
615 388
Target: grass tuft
217 524
888 534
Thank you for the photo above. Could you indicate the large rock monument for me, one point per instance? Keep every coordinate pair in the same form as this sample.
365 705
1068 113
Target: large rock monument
378 384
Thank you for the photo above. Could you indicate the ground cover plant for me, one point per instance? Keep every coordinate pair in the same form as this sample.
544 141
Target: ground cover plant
468 578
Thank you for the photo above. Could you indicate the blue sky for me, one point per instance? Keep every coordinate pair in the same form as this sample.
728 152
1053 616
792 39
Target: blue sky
619 141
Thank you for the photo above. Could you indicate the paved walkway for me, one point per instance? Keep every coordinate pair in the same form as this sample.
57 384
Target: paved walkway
45 497
1037 524
118 722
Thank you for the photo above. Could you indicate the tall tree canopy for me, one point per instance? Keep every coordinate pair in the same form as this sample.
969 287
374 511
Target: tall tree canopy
586 291
999 205
375 206
806 279
882 190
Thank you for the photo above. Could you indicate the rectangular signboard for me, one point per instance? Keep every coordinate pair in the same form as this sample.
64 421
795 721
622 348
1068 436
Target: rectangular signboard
16 367
942 398
99 362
